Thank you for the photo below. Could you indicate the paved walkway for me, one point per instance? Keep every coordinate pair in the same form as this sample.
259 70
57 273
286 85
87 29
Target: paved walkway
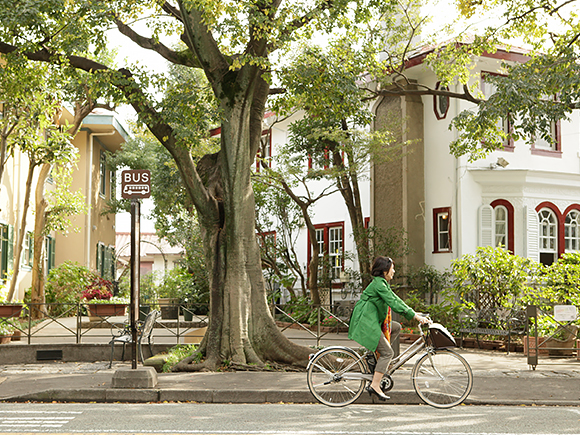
498 379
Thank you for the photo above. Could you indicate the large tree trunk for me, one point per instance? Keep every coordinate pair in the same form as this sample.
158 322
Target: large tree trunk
21 232
37 290
241 327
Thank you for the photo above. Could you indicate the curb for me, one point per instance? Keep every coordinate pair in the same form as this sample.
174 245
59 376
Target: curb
112 395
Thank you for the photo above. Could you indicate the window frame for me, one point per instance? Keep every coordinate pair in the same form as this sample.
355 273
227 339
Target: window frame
325 227
570 208
50 252
558 237
547 152
575 239
28 250
510 222
438 114
436 233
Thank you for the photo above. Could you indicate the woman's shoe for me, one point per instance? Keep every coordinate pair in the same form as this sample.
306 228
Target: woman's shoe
381 396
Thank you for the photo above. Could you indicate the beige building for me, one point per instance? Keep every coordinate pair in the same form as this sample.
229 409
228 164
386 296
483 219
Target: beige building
93 244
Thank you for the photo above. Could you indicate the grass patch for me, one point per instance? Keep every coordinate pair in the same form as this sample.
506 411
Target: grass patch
176 354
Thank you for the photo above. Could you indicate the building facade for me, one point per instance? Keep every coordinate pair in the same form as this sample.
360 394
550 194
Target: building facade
93 244
524 197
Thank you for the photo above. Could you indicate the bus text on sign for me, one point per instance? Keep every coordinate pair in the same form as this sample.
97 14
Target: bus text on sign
136 184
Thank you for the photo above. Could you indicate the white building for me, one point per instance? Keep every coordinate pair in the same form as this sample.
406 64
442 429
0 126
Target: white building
157 255
524 197
329 215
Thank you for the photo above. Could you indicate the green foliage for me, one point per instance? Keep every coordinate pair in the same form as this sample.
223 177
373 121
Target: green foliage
427 279
300 310
188 288
504 277
390 241
561 282
178 353
63 203
65 284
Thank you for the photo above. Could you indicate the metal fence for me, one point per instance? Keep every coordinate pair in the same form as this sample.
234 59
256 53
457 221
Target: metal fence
76 323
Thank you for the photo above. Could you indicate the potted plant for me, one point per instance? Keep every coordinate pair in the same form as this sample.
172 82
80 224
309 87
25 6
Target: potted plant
9 308
98 296
170 294
6 331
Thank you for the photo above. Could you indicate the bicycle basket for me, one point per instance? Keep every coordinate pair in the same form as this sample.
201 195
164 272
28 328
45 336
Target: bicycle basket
440 337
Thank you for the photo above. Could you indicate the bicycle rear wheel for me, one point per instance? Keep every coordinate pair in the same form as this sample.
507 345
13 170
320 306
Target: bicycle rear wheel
442 378
335 376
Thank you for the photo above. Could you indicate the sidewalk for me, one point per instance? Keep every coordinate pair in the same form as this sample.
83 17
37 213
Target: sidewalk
498 379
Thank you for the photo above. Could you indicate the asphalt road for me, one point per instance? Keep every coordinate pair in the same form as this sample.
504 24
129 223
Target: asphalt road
278 419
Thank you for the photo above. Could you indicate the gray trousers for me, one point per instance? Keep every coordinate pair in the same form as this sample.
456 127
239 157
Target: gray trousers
385 350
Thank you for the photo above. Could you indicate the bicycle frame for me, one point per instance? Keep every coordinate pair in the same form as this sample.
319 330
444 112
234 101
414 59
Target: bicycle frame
414 349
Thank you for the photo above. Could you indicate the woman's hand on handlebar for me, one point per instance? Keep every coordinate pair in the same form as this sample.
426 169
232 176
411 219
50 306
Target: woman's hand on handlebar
422 319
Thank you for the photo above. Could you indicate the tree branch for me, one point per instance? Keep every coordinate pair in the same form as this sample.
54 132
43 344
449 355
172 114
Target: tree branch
305 19
401 90
180 58
203 44
126 83
171 10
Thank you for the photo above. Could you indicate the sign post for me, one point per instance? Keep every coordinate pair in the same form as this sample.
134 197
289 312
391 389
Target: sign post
135 185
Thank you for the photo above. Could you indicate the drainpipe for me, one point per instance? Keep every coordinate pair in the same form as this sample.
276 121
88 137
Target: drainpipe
89 183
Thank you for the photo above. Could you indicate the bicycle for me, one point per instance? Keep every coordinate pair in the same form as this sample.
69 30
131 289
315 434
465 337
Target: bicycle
442 378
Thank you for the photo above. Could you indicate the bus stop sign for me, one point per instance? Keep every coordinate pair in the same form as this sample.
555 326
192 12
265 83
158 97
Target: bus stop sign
136 184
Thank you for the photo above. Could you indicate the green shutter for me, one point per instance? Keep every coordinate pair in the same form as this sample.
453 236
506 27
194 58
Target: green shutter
10 250
3 251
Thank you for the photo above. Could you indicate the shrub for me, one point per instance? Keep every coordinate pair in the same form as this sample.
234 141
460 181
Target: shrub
65 285
494 272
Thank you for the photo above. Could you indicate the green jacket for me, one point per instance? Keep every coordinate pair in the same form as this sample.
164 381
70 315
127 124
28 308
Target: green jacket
371 310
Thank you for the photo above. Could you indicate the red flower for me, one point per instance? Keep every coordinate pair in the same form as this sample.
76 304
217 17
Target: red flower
99 289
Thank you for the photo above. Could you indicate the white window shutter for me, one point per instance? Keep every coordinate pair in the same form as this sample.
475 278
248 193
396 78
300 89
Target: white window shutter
486 226
531 235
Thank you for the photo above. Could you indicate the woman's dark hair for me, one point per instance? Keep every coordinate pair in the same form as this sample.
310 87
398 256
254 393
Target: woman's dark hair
381 265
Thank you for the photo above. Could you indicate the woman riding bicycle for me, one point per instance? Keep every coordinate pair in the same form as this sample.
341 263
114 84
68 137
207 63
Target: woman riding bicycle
370 323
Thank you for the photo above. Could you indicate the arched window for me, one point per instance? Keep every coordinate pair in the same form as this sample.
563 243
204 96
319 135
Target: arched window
440 102
548 226
501 226
572 231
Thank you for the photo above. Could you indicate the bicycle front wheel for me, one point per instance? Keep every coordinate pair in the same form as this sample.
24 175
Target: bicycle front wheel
335 376
442 378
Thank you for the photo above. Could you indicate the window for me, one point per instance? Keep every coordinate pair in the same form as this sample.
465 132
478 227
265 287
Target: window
50 245
501 226
335 250
28 252
572 231
442 229
103 174
505 124
6 237
551 147
496 224
548 226
106 261
330 245
440 102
